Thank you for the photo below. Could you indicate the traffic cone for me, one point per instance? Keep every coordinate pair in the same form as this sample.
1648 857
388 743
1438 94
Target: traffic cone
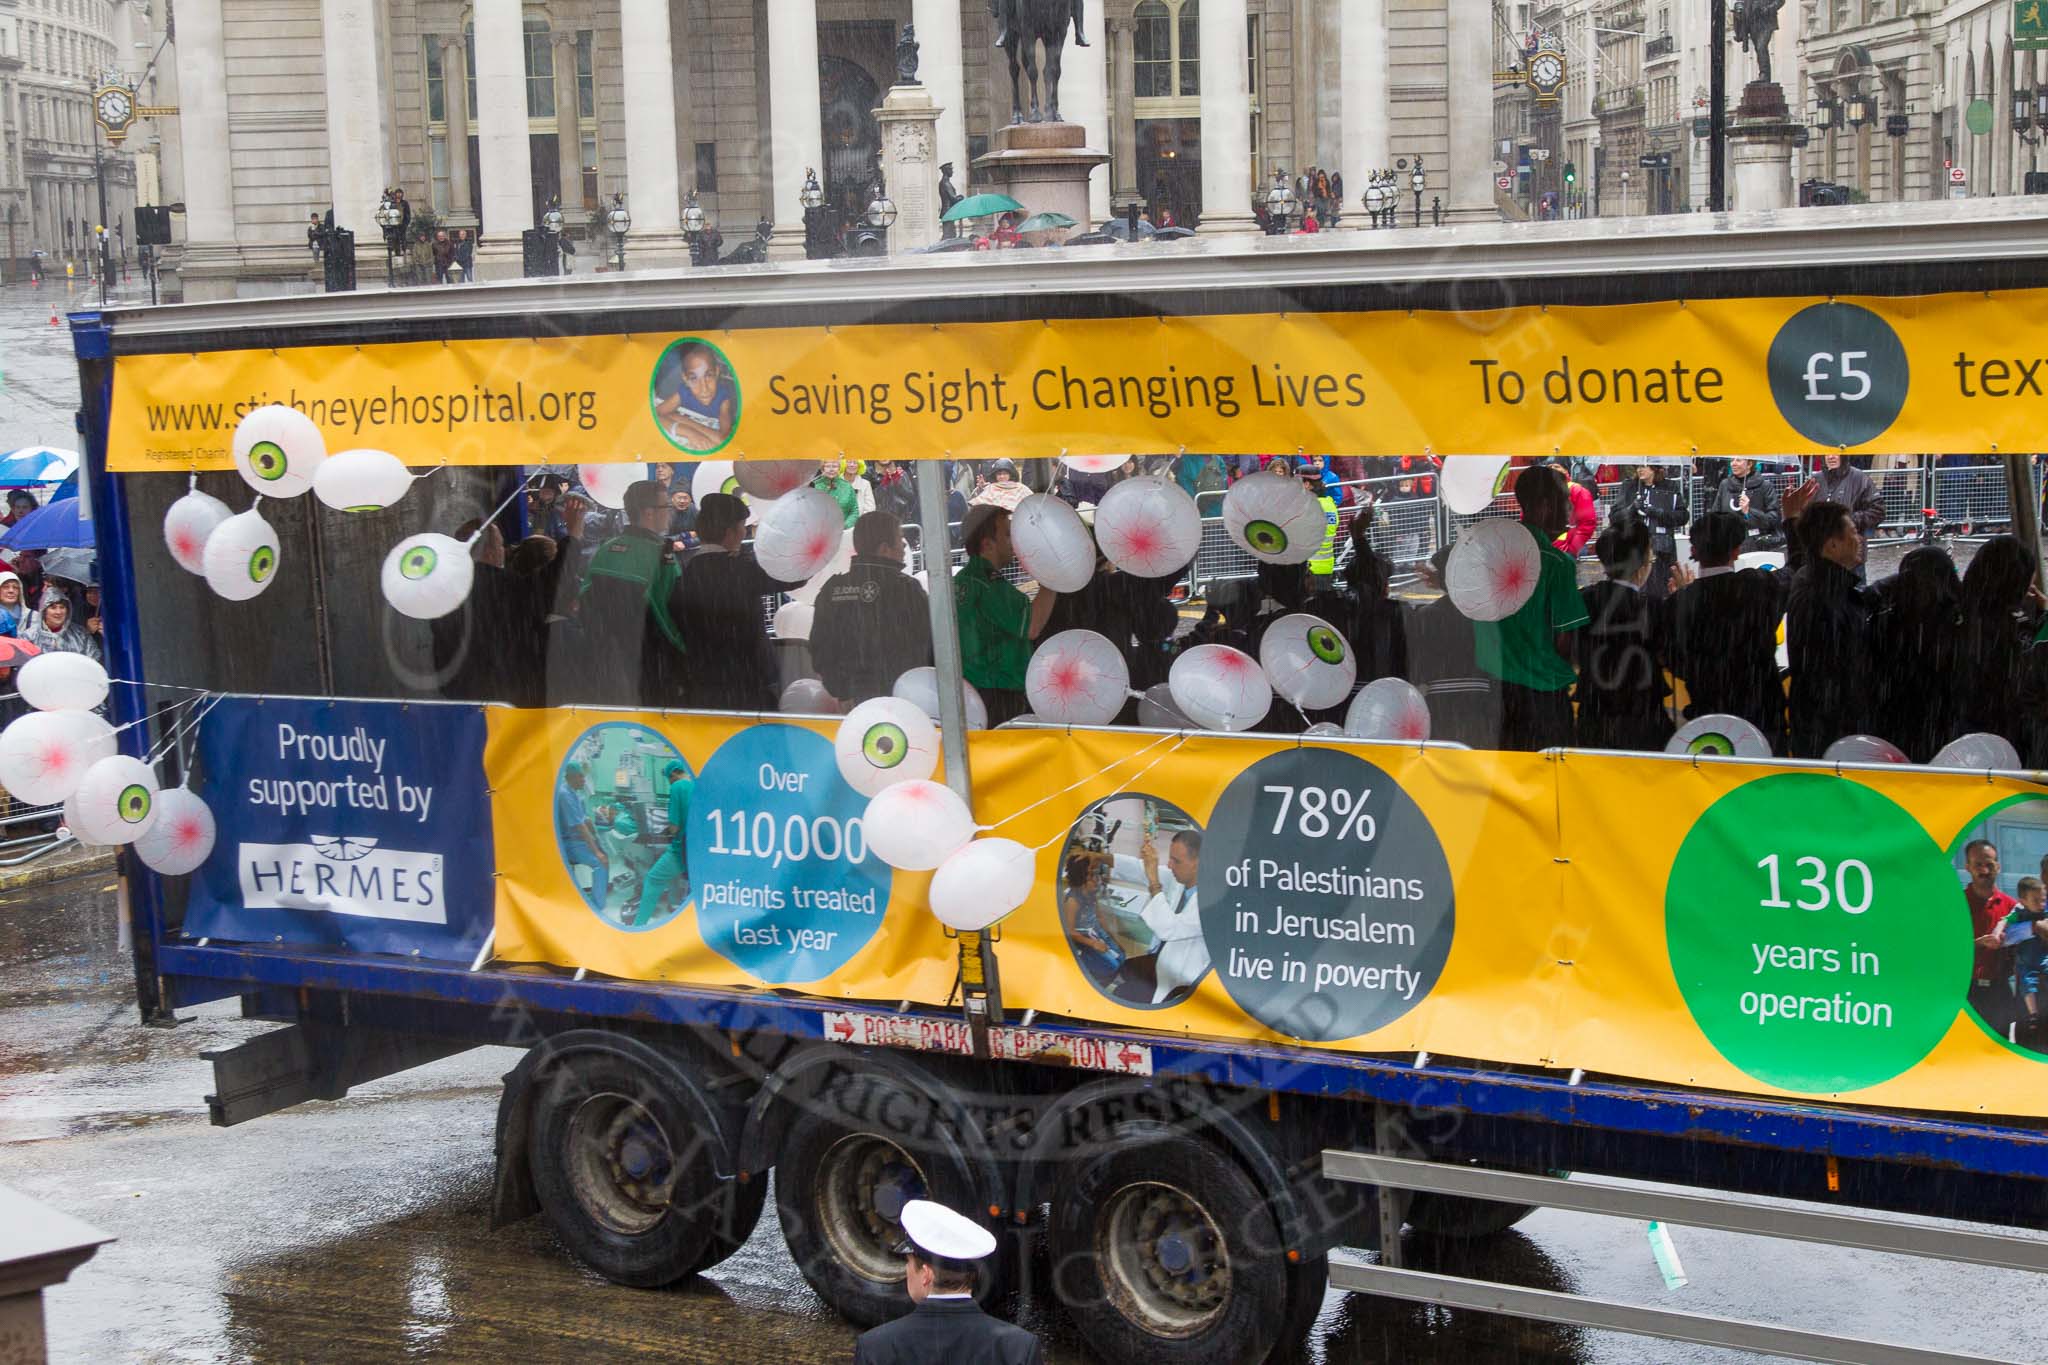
53 315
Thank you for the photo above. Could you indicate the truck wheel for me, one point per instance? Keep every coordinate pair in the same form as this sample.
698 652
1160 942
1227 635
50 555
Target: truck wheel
735 1222
1450 1218
1306 1282
841 1181
1163 1251
621 1168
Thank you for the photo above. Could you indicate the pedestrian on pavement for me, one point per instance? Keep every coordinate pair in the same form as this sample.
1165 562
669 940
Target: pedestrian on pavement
20 502
1751 496
945 1324
55 630
13 611
444 255
1655 497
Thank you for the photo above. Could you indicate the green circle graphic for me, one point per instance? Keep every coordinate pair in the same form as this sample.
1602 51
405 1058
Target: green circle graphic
1817 933
656 396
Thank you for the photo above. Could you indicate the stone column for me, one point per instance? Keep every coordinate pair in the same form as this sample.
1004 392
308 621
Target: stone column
942 68
502 144
455 100
652 192
1468 70
568 130
358 141
1226 119
1084 99
1362 63
207 266
796 138
1124 116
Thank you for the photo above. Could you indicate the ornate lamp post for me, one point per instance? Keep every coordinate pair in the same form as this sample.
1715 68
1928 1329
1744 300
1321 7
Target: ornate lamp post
819 235
881 212
1416 182
620 222
391 219
551 223
1280 203
696 226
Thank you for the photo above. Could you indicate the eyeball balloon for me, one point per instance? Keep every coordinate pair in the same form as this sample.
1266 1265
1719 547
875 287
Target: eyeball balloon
187 524
1274 518
181 837
920 686
1977 751
793 621
361 480
115 802
69 823
1864 749
808 697
1077 678
1052 543
427 576
1157 710
1220 688
607 483
278 450
982 883
1492 570
798 535
62 682
914 826
883 741
1719 736
44 755
1308 661
1388 708
717 476
1095 464
1148 526
241 556
1471 482
769 479
1324 729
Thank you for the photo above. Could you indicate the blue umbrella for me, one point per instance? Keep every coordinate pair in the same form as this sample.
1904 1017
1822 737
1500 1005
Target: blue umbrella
48 528
36 464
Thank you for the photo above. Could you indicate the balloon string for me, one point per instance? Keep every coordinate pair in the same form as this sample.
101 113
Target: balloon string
190 721
1163 739
1129 783
526 484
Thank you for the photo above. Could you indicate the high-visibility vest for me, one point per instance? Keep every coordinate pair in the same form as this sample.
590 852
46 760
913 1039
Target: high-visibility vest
1325 561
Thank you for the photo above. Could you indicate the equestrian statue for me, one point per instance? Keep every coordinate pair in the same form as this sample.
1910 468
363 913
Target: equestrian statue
1021 25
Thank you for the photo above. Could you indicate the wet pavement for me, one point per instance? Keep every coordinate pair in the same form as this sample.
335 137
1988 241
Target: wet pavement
38 374
359 1230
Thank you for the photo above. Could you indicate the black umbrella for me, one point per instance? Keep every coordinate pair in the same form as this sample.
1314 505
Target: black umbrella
946 244
1098 238
1174 234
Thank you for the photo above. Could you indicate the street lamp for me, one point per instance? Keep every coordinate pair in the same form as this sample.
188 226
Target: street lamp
552 223
1280 203
620 222
818 227
1858 110
388 217
1416 182
695 225
881 212
1825 113
1374 199
1624 194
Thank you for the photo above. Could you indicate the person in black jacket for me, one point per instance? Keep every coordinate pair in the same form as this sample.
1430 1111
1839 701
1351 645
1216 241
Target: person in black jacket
1751 496
1827 632
1621 688
873 622
1848 484
716 606
1724 632
2000 614
1660 502
945 1324
1913 633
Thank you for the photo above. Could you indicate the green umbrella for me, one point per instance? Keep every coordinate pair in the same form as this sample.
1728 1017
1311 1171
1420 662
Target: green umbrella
1040 222
980 206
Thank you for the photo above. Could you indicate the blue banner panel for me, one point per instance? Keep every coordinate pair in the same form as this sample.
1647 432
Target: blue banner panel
364 826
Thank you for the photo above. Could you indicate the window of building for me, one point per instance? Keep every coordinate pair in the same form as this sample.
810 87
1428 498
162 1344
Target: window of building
437 83
1166 47
469 71
586 74
589 152
540 70
1152 49
707 168
437 166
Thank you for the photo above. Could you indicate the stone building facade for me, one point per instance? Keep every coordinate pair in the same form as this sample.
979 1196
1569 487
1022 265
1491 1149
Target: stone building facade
52 55
488 110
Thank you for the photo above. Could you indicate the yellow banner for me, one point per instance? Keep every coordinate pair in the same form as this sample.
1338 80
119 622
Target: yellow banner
1952 373
1744 928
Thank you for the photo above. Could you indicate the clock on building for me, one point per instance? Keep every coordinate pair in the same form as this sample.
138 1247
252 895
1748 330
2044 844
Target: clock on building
1546 75
114 106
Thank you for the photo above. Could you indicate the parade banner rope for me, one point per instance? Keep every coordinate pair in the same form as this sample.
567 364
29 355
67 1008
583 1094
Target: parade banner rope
1937 374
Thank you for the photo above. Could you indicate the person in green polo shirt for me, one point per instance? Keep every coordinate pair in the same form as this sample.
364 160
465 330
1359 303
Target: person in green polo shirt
1530 651
997 621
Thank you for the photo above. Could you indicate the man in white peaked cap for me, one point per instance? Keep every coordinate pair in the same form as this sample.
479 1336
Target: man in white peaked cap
940 1249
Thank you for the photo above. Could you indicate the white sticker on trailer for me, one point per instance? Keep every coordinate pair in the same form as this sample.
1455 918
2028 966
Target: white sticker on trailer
1072 1049
896 1030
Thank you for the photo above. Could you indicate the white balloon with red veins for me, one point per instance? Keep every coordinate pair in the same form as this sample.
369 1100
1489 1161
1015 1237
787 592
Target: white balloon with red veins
1388 708
1864 749
1492 570
1053 543
982 883
182 836
69 823
799 534
1095 464
427 576
1077 678
1979 751
1148 526
278 450
241 556
607 483
808 697
915 826
361 480
841 562
1274 518
718 476
883 741
921 687
1308 661
115 802
1157 711
1471 482
187 524
44 755
62 682
793 621
1220 688
770 479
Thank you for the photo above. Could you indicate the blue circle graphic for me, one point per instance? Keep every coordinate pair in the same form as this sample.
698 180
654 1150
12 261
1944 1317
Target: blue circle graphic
785 886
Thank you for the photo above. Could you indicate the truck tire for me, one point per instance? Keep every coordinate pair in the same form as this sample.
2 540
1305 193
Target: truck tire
1445 1217
1307 1279
841 1181
1164 1252
736 1220
621 1169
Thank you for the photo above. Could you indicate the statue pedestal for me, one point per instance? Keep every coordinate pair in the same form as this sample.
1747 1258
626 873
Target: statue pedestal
910 164
1760 140
1043 166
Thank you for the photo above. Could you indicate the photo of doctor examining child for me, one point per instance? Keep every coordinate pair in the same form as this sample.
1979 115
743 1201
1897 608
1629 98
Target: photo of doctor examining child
1127 900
